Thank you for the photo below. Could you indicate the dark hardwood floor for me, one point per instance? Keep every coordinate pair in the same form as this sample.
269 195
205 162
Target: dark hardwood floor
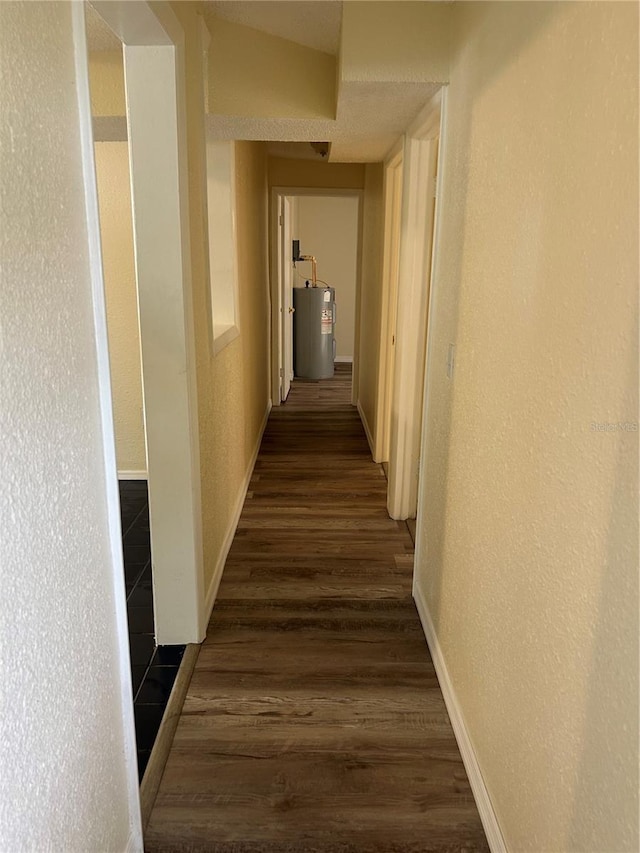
314 720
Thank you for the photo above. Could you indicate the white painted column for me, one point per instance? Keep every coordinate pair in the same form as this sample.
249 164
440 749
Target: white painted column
157 147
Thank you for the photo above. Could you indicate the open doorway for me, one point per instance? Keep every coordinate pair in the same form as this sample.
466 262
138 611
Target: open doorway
393 221
412 305
325 226
135 69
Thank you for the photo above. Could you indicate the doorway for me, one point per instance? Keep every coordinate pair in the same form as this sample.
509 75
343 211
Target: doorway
416 246
155 134
327 224
391 264
143 258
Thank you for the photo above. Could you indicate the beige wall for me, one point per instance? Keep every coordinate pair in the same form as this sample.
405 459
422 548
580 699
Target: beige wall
395 41
107 83
256 74
529 559
233 391
371 295
285 172
116 231
233 386
328 229
67 749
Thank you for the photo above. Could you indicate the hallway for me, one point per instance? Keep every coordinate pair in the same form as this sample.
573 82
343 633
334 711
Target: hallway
314 721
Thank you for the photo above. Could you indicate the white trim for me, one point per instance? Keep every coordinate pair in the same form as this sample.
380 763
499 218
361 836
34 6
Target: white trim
233 525
431 314
343 359
128 742
416 253
392 199
132 475
367 430
426 124
223 337
470 760
154 89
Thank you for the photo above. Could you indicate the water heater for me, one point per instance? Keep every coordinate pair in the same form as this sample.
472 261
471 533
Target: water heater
314 344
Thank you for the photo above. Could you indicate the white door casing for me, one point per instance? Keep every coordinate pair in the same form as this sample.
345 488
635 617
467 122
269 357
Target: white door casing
414 277
392 222
286 277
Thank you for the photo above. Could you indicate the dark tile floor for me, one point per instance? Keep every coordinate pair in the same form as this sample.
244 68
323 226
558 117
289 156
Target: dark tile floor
153 668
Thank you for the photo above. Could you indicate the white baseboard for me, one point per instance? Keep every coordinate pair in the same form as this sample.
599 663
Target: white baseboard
343 359
480 792
233 525
133 475
367 430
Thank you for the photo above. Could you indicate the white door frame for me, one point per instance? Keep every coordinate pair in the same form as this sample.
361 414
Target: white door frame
392 194
285 273
155 94
277 307
414 286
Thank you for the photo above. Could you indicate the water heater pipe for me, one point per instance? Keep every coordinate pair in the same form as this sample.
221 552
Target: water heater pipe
314 267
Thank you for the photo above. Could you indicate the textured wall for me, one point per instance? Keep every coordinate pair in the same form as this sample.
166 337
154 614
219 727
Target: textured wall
328 229
233 390
395 41
371 293
257 74
116 231
529 561
63 784
107 83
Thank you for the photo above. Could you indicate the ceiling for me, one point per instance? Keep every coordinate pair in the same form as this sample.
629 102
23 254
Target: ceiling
370 115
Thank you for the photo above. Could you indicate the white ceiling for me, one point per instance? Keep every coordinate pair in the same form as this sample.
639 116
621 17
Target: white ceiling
313 23
371 117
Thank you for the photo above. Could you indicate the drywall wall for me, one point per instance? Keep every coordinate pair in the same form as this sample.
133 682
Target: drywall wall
116 232
289 172
107 83
395 42
67 749
529 509
328 229
251 73
371 296
233 390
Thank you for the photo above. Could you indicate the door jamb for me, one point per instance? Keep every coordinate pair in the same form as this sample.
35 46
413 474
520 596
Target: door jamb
393 163
417 251
431 317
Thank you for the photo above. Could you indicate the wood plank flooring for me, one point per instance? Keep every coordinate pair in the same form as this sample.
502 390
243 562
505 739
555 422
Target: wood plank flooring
314 721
